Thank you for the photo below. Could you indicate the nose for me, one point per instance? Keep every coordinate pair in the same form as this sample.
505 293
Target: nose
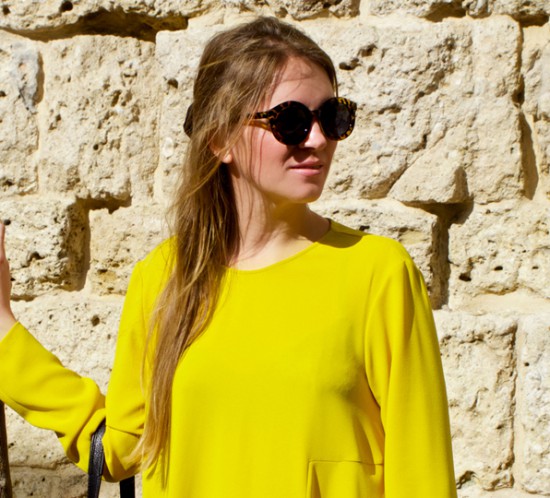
316 138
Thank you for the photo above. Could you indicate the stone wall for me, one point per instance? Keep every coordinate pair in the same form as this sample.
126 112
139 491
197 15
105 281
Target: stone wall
451 156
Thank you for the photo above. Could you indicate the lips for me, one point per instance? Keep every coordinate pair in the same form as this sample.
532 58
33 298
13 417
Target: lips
307 168
307 165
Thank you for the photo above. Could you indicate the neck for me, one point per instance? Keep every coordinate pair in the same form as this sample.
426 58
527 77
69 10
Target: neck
270 232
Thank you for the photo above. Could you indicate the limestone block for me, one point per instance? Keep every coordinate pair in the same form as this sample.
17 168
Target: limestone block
429 94
82 333
417 230
98 121
65 17
499 249
424 8
496 172
535 63
20 72
118 241
527 10
419 184
177 55
533 405
299 10
143 18
478 360
45 243
167 10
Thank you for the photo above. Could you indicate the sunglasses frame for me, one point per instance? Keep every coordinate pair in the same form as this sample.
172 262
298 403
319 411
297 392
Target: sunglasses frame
273 114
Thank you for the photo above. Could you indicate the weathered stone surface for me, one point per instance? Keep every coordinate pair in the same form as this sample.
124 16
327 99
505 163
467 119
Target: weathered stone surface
421 184
532 471
45 243
478 360
65 480
471 490
20 74
535 64
526 10
423 8
113 258
300 10
98 121
417 230
50 18
82 333
177 55
429 94
498 249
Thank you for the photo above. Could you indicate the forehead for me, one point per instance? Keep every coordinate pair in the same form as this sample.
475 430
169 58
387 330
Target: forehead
303 81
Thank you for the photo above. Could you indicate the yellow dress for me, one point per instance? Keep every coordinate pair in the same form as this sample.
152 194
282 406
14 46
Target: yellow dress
318 377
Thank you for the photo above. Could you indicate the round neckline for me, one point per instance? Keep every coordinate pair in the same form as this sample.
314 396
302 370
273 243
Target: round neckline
288 259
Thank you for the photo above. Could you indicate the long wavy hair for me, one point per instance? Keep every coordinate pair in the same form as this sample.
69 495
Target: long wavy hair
237 72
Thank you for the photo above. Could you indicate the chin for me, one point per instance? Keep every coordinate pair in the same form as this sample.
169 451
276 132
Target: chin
301 194
307 197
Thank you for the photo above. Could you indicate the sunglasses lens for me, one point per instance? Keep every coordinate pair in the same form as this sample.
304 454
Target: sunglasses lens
291 121
337 119
292 124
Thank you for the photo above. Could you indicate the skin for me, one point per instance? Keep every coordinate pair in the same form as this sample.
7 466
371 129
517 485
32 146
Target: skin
273 182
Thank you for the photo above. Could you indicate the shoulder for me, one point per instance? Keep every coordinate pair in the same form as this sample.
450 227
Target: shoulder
160 257
381 263
375 248
151 274
155 268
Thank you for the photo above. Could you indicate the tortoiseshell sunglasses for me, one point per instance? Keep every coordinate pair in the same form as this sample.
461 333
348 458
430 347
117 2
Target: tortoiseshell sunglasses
291 122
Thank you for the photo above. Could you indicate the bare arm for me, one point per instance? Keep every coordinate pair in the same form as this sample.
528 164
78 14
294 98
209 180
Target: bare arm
7 320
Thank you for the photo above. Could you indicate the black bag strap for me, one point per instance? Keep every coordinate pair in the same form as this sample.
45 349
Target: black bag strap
97 461
128 488
95 468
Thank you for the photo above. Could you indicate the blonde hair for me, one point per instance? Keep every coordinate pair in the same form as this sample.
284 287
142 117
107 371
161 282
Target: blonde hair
238 69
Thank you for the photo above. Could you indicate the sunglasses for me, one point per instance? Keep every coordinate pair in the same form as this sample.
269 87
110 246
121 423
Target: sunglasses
291 122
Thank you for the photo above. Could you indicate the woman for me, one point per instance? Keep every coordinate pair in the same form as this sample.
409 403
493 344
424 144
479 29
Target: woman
281 354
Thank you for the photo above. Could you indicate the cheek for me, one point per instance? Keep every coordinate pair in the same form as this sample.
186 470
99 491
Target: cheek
265 149
243 154
271 150
254 153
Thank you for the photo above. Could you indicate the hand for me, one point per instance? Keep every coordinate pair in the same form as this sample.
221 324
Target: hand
7 320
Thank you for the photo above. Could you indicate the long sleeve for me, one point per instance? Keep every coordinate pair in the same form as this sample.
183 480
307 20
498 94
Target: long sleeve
35 384
405 374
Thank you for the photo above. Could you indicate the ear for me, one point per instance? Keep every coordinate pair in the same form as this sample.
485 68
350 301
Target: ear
225 156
